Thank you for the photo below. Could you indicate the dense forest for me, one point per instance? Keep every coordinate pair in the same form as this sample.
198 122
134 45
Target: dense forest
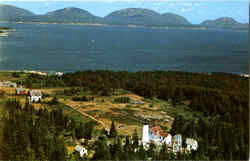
30 134
223 132
4 28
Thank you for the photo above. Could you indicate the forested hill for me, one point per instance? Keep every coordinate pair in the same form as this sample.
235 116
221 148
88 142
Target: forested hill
224 22
139 16
12 13
66 15
4 28
128 16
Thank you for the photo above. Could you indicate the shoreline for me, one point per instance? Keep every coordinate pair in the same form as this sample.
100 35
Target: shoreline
42 72
129 25
6 32
102 24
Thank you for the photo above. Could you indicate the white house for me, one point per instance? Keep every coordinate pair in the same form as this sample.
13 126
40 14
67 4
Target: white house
8 84
59 73
177 143
145 134
20 91
35 95
81 150
191 144
155 134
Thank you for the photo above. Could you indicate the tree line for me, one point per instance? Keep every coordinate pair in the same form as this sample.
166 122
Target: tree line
219 96
30 134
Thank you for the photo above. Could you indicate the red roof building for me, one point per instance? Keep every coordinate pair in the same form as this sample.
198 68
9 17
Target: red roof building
157 131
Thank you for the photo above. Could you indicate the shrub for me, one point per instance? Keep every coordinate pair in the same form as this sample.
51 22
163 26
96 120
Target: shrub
2 93
54 101
16 75
58 92
45 94
83 98
128 106
151 105
77 98
88 98
122 100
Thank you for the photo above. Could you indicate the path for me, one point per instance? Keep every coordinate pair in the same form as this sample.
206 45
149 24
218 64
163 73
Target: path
85 114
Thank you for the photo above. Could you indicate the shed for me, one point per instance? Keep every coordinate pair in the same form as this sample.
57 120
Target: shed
192 144
81 150
20 91
35 95
177 143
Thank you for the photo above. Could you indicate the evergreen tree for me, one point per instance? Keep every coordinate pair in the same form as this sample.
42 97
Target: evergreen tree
135 144
163 151
101 150
54 101
104 132
88 128
127 149
142 153
113 132
116 149
151 151
80 131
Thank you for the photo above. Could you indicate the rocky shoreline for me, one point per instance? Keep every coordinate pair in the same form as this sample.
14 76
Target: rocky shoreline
6 32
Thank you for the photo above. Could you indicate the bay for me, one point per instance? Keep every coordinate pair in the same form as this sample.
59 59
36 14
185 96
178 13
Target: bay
69 47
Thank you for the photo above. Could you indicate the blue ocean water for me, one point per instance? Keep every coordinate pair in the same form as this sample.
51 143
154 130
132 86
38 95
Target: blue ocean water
67 48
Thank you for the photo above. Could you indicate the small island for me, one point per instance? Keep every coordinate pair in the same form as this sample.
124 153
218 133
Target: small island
4 31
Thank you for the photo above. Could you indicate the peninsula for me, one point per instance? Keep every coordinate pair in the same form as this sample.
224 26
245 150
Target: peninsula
4 31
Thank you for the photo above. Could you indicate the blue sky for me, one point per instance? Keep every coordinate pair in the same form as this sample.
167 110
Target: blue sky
195 11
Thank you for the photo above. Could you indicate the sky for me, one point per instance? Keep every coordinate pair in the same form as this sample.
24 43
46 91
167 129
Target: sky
195 11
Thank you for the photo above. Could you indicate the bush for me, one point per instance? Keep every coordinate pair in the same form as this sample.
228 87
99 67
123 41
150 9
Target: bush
2 93
45 94
128 106
83 98
105 92
71 92
58 92
122 100
151 105
54 101
77 98
16 75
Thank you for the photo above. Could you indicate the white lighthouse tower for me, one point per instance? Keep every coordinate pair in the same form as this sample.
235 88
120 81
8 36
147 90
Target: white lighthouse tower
145 133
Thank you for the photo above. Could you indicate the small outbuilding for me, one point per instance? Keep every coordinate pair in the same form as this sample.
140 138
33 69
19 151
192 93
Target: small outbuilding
83 152
177 143
8 84
191 144
35 95
20 91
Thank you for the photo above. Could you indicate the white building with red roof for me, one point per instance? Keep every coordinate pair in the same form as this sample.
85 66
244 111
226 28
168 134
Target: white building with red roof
156 135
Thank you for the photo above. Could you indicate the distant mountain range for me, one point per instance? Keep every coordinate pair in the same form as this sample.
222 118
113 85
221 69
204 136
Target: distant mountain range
129 16
138 16
224 22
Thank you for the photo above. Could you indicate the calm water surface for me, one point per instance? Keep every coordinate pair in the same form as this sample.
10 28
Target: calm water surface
66 48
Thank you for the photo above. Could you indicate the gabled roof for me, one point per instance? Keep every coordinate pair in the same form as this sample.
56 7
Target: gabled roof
19 89
35 93
158 131
79 148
